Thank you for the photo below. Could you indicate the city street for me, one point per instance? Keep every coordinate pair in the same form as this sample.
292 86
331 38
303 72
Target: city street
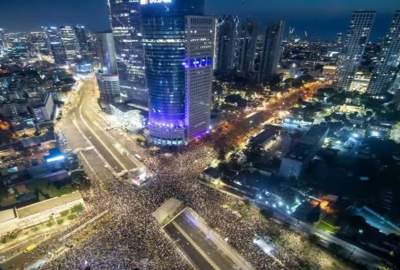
131 237
203 246
195 134
83 128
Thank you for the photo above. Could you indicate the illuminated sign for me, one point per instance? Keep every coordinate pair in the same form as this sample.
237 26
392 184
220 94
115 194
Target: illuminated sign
146 2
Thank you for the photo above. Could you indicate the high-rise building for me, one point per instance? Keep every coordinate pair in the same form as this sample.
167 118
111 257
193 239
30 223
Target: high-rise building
354 47
389 61
227 38
125 18
70 43
56 45
82 37
2 41
272 51
107 53
246 47
259 52
107 76
178 42
38 43
339 41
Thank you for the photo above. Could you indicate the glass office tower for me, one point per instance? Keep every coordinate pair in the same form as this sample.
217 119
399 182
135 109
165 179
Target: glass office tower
354 47
272 51
384 75
178 42
125 19
107 76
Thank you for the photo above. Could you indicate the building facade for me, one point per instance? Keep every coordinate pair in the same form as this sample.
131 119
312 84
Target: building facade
384 75
178 42
125 19
2 41
56 45
246 47
226 43
82 37
198 74
272 51
70 43
38 43
354 47
107 76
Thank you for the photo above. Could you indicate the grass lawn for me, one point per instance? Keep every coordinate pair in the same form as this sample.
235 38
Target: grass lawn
326 227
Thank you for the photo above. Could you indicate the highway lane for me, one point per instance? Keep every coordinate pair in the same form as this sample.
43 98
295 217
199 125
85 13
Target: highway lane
193 255
117 150
88 128
100 147
201 245
204 242
93 122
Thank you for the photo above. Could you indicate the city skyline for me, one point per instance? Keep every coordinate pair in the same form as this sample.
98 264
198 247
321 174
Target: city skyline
315 18
171 134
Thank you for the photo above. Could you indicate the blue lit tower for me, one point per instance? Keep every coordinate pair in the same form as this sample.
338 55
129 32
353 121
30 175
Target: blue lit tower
178 42
354 47
125 19
384 75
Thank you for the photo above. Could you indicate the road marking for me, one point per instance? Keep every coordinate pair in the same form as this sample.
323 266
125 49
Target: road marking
94 172
98 138
188 238
137 163
94 148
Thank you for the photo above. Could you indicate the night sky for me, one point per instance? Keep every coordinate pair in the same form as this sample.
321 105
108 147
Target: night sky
321 18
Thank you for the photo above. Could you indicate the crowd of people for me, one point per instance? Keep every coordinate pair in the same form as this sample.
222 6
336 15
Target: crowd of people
132 239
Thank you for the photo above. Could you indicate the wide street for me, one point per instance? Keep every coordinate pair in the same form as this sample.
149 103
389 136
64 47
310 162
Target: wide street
83 127
130 238
202 246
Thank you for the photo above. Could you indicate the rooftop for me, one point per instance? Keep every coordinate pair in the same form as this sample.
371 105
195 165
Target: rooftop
267 134
300 152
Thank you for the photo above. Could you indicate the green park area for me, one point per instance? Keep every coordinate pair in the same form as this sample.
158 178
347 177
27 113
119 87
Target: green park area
327 227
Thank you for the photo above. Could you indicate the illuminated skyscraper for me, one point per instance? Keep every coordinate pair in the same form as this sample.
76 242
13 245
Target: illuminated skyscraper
2 41
178 41
227 43
70 43
56 45
107 76
272 51
82 37
388 66
38 43
354 47
125 21
246 47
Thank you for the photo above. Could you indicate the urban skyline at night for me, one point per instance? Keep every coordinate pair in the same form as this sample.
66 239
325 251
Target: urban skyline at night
317 18
200 134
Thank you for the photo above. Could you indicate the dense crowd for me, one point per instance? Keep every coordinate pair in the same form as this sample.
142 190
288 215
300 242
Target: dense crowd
132 239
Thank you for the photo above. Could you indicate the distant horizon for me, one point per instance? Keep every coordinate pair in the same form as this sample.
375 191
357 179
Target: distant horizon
323 24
